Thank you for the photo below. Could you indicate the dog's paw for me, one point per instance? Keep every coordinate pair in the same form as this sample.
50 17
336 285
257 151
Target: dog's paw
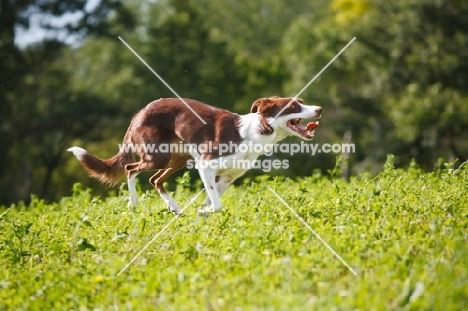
205 210
176 212
132 202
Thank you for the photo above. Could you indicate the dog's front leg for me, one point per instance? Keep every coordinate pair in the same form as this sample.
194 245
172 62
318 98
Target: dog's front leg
221 187
222 183
208 176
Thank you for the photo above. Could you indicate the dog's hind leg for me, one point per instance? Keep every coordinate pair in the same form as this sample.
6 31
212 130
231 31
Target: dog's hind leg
158 179
132 189
132 170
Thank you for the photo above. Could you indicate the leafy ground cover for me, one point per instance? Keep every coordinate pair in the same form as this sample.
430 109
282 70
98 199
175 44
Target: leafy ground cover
404 232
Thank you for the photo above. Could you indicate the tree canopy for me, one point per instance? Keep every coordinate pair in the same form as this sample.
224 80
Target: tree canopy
400 88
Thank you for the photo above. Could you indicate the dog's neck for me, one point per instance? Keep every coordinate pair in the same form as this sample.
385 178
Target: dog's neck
249 129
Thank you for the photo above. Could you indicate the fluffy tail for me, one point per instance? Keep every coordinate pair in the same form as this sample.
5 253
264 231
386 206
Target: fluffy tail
106 171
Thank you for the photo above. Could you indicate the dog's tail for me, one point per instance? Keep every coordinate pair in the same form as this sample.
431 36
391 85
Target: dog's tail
108 171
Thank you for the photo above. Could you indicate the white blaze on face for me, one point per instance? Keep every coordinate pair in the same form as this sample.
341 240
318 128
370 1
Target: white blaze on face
291 122
314 111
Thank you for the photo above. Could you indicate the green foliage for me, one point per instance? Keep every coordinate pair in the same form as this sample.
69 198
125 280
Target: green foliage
403 231
400 88
39 109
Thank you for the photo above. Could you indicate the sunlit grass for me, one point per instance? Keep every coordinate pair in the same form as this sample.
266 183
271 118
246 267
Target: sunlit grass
404 232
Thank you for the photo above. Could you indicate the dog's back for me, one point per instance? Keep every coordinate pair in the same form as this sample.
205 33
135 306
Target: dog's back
190 122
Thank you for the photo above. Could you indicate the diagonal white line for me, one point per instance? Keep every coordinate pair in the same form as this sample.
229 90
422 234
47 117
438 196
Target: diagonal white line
314 78
159 233
313 231
162 80
326 66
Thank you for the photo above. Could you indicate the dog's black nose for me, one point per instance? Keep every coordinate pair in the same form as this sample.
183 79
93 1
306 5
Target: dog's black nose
319 110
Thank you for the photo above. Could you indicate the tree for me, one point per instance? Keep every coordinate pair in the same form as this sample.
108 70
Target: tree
90 92
400 87
33 89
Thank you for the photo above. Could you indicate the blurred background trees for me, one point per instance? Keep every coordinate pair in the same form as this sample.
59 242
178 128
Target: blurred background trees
400 88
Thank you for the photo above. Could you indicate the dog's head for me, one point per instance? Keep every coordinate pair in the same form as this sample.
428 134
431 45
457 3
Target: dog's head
285 115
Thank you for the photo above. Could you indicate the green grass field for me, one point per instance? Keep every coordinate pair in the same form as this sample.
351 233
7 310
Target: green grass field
405 233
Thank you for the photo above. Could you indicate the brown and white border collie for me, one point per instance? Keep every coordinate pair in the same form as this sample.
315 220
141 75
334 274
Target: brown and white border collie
169 121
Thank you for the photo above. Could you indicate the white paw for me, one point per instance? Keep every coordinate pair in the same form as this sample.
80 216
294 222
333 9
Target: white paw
205 210
133 201
175 211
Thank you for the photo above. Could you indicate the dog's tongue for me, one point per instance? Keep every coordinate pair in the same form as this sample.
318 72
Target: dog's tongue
312 125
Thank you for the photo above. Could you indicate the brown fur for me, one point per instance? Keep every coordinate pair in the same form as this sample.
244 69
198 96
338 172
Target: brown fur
157 124
168 120
108 171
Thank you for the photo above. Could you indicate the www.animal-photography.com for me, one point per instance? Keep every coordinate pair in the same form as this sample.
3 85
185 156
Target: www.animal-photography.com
223 155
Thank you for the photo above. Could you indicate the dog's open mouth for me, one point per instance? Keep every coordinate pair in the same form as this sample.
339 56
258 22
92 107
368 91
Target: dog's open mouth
307 131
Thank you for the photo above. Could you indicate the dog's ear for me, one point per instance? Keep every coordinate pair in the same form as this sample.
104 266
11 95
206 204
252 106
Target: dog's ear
256 105
264 128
